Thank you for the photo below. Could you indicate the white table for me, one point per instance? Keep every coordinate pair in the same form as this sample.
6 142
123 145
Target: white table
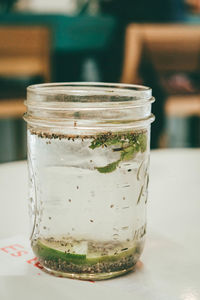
171 259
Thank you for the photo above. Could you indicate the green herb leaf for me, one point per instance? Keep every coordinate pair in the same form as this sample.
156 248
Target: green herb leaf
142 142
109 168
95 144
128 153
128 144
114 141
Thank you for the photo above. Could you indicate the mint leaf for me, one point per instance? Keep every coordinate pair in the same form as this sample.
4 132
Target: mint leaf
128 153
142 142
109 168
95 144
128 144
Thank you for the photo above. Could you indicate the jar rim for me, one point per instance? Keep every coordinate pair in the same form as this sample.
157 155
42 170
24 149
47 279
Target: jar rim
89 104
84 89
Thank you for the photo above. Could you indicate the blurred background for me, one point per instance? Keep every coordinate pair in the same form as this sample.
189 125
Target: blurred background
150 42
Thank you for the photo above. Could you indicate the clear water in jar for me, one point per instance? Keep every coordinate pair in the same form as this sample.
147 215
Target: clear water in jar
88 199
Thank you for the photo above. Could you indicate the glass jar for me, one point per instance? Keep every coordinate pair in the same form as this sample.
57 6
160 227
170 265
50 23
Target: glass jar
88 159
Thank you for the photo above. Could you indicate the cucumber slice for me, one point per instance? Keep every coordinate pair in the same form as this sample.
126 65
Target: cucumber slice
54 251
79 252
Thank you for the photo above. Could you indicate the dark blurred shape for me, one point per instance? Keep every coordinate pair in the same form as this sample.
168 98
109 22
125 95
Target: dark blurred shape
24 60
150 78
73 39
193 6
181 83
166 57
13 88
37 48
145 10
128 11
6 5
77 39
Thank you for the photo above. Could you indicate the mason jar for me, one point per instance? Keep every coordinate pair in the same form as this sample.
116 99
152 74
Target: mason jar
88 160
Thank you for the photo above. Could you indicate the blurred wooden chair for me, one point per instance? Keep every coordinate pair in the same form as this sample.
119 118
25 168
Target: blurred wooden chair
171 48
24 51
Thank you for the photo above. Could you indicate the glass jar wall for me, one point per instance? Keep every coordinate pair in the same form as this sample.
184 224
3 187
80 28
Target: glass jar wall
88 158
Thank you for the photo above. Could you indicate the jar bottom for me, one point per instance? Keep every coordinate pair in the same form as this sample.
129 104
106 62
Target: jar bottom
103 260
89 276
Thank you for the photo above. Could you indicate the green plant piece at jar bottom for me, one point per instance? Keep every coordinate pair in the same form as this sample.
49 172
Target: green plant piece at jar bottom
86 259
